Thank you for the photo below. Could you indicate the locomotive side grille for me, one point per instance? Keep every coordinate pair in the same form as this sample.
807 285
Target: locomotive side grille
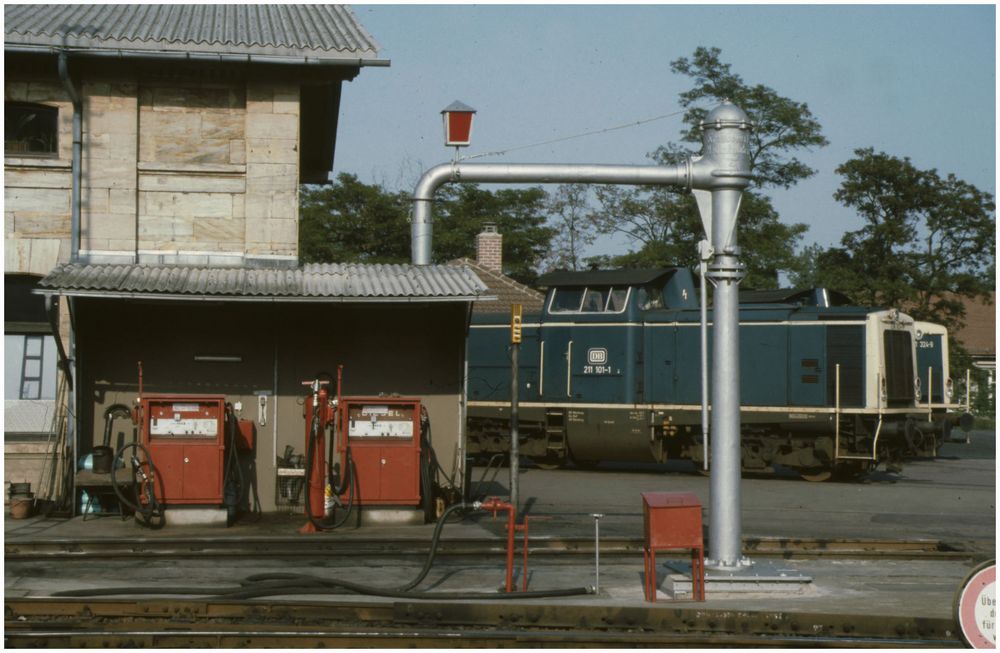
898 367
845 346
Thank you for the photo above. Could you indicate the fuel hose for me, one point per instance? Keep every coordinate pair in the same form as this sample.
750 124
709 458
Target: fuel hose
151 511
260 585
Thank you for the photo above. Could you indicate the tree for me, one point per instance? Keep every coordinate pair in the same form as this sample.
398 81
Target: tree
665 222
352 222
569 216
460 210
780 126
668 226
926 243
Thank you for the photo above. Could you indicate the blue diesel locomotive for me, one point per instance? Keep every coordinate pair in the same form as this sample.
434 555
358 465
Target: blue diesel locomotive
611 371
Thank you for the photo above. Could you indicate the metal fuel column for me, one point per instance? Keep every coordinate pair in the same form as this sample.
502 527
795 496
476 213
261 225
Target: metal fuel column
720 175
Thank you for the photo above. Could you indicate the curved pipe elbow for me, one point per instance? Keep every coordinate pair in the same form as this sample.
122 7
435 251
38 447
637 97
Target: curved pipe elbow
423 194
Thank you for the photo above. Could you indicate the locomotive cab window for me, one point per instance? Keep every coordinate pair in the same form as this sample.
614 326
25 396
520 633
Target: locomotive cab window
589 300
650 298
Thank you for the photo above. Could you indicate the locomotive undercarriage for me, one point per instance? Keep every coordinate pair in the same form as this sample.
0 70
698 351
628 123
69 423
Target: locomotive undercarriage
806 442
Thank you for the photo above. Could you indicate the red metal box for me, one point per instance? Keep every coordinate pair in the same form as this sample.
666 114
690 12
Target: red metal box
185 437
384 436
672 520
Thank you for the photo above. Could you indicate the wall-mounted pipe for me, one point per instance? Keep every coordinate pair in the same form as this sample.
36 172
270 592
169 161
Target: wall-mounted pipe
76 100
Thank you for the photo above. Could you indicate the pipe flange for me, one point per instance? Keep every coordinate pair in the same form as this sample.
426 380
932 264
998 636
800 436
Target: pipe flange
735 272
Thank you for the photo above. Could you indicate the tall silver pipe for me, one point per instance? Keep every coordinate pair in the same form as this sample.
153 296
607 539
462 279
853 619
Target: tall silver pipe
725 519
423 195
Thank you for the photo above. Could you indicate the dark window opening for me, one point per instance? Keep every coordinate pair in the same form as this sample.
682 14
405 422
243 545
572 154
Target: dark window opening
30 129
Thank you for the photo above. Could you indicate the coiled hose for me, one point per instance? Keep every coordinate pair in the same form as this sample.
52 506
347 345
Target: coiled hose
151 511
259 585
233 463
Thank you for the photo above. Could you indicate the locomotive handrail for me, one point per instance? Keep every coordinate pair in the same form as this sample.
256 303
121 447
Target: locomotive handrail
836 413
930 394
569 370
541 367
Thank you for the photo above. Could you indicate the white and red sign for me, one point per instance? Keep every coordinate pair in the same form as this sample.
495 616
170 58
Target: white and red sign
977 607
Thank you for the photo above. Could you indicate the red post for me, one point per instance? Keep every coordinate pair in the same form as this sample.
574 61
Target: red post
317 406
494 506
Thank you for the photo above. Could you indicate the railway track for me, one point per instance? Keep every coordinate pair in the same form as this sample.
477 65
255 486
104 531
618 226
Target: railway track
240 624
786 548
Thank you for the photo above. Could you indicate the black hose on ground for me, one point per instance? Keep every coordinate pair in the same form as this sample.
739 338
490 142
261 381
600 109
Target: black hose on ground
322 587
435 538
151 511
260 585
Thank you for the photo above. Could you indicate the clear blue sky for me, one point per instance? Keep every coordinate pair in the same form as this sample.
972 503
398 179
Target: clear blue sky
916 81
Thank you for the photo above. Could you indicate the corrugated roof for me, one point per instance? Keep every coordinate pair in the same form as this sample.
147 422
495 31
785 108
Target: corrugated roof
320 31
326 282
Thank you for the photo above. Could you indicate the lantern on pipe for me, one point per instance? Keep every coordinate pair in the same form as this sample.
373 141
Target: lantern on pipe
457 124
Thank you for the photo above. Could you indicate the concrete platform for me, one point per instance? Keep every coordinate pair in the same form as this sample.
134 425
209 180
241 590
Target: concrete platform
918 588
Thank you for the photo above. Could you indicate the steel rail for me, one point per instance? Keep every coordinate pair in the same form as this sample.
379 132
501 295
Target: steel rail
185 623
284 547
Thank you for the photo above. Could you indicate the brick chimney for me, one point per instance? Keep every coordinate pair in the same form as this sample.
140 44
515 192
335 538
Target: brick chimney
489 244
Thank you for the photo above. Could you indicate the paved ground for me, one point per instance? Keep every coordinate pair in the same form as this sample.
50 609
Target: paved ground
951 498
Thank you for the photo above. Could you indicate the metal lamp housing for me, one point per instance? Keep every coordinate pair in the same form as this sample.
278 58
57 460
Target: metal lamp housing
458 124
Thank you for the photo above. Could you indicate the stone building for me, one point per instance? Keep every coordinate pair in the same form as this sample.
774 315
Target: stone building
153 158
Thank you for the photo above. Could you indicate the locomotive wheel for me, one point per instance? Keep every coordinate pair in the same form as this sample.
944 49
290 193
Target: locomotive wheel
816 474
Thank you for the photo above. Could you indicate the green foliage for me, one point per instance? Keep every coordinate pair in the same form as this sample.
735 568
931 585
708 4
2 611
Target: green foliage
352 222
665 223
520 215
781 126
569 215
926 245
668 226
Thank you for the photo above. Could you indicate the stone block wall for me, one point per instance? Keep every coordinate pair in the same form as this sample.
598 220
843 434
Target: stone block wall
173 172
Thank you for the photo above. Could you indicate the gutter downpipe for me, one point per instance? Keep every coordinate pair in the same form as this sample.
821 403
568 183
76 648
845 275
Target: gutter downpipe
74 256
74 96
724 169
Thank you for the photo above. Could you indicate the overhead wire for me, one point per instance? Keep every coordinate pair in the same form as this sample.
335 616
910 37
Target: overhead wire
561 139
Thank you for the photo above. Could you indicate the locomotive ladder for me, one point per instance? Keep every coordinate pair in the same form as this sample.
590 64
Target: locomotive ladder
836 420
555 431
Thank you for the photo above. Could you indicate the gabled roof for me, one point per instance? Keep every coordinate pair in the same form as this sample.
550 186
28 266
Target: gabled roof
316 283
507 291
319 33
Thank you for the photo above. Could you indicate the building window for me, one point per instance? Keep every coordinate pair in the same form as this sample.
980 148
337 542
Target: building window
30 129
29 366
29 348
